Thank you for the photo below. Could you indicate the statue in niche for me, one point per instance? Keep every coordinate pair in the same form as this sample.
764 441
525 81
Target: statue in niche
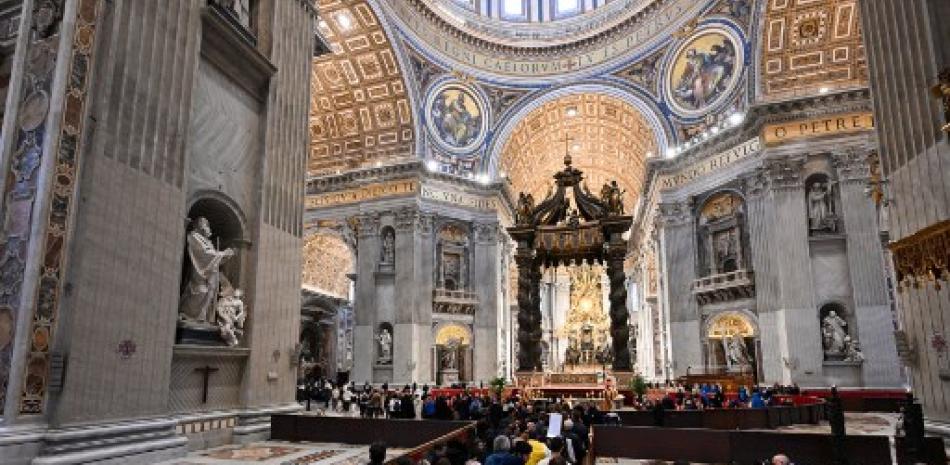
231 316
834 334
852 351
820 216
205 280
385 346
450 354
525 208
736 353
389 246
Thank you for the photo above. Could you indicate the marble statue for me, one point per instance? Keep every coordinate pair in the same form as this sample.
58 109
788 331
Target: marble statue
834 333
450 355
726 252
525 208
819 208
612 197
231 316
385 346
852 351
736 353
389 247
205 279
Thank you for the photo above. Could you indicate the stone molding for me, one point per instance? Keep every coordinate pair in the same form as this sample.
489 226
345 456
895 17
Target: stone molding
424 222
367 225
673 214
406 219
853 166
487 233
784 173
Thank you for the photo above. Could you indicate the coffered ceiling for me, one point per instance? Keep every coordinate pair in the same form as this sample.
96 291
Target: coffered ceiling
360 111
326 261
608 140
810 47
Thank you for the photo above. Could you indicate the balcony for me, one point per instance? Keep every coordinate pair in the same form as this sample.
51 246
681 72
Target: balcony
453 302
239 21
724 287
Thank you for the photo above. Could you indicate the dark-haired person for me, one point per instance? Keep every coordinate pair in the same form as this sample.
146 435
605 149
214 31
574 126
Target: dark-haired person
377 453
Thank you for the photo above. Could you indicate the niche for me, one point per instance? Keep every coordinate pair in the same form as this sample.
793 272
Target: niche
722 241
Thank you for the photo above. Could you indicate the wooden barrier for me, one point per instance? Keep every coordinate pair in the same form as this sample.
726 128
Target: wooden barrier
728 419
394 433
741 447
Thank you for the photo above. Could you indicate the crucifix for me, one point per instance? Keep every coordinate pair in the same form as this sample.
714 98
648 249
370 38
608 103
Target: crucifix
206 371
567 146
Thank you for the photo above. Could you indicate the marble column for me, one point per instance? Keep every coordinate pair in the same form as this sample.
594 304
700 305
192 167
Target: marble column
676 231
875 327
364 306
796 315
485 272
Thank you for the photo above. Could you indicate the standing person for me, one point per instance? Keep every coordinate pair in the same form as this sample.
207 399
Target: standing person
347 399
539 450
408 405
335 398
556 446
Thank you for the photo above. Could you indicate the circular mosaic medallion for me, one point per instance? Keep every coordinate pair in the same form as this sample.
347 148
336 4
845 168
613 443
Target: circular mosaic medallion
704 71
455 117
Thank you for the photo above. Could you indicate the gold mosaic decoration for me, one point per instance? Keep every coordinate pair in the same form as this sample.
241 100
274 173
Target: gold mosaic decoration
360 112
326 262
608 139
809 45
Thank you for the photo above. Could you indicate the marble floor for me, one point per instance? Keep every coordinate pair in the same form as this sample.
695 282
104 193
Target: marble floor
282 453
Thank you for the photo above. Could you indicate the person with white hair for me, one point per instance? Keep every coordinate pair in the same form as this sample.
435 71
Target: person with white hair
781 459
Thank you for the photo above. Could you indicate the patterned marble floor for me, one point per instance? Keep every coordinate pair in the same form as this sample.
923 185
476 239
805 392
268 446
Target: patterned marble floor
282 453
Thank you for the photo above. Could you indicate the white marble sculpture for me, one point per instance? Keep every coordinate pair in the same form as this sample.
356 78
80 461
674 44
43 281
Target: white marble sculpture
852 351
389 247
204 277
450 355
819 208
231 316
736 353
385 346
833 334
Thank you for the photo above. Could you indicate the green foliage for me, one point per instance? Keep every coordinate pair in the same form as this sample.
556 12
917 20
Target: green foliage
498 385
638 385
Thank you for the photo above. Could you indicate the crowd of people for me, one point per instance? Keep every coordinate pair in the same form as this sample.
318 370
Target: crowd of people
511 430
705 396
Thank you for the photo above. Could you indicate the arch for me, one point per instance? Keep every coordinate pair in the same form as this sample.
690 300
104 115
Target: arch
731 322
662 128
444 332
326 262
221 211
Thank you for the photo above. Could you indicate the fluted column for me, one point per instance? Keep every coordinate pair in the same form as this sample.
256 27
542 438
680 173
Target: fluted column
364 307
677 243
875 328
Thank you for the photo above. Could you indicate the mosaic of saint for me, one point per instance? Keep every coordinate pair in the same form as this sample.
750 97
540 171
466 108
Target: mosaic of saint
703 72
456 117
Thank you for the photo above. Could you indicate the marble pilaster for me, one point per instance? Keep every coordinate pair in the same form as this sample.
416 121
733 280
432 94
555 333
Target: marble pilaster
796 318
485 266
875 328
676 232
364 306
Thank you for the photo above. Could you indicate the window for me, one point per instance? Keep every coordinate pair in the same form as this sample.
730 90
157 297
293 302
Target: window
568 6
512 7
